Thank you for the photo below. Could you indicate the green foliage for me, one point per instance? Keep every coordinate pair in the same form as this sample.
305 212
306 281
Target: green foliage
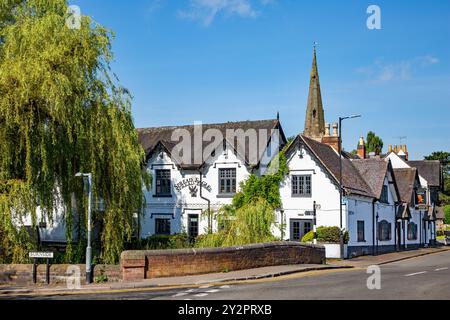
374 143
444 158
327 235
266 187
447 214
102 277
249 224
16 203
61 113
162 242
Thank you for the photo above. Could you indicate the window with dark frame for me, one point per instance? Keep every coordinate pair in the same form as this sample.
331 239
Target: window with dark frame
384 231
227 181
301 186
361 232
296 231
163 183
162 226
193 226
307 227
384 195
412 231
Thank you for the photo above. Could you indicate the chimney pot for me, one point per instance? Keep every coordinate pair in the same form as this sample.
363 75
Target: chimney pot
335 130
390 148
327 130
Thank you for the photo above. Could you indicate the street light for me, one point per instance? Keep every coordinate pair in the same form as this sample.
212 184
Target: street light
88 177
341 234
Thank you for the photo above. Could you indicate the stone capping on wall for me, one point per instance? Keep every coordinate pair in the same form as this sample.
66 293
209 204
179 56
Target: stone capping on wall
139 265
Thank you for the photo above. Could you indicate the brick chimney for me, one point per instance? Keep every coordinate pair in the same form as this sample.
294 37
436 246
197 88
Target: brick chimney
362 148
331 140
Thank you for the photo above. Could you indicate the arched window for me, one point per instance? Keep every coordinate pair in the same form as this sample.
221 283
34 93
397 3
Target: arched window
314 114
384 231
412 231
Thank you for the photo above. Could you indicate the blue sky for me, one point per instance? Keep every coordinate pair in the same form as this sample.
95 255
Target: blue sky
230 60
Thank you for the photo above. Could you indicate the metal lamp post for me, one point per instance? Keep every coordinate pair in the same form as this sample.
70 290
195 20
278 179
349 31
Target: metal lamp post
341 234
88 177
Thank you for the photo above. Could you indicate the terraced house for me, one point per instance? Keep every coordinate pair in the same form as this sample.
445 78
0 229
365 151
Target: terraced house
388 202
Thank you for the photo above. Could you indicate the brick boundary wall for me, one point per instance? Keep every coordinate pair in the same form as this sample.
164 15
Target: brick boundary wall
139 265
21 274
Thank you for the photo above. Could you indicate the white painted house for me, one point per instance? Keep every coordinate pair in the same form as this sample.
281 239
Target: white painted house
176 202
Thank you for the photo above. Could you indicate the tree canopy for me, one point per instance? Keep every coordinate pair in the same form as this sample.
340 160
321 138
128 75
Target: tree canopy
444 158
61 112
374 143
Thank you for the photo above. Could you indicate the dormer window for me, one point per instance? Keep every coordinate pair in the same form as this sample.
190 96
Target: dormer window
384 195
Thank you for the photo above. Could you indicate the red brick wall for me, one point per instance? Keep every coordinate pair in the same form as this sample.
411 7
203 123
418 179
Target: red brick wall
138 265
22 273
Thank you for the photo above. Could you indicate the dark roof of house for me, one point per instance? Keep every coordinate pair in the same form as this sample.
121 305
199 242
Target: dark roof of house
405 178
150 138
429 170
352 181
374 172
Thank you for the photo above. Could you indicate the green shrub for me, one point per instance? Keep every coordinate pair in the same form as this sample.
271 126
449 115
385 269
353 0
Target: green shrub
162 242
447 214
326 234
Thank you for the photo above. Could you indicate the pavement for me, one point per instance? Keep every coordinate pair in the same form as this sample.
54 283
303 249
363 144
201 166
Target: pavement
220 279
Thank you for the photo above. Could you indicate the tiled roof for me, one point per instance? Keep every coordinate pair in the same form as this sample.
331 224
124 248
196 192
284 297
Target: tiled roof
352 181
150 137
374 172
405 178
429 170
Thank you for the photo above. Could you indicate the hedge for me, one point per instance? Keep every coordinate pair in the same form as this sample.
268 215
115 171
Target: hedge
162 242
327 235
447 214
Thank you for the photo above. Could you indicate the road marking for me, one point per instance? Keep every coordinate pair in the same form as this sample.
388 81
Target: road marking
181 294
441 269
201 295
212 291
225 287
415 274
190 290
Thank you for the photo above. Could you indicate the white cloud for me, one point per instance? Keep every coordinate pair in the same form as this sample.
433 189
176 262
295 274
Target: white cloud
380 71
207 10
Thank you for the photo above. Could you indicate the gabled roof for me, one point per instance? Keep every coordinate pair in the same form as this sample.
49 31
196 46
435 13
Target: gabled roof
429 170
150 138
406 179
352 181
374 172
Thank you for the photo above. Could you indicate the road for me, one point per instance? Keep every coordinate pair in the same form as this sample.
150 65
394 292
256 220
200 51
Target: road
426 277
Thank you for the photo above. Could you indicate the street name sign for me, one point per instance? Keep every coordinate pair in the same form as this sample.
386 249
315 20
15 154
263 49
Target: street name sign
41 255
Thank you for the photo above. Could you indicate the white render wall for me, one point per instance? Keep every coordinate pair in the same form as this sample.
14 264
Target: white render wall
324 192
181 204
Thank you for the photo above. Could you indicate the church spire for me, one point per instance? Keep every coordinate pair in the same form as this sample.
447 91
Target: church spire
315 120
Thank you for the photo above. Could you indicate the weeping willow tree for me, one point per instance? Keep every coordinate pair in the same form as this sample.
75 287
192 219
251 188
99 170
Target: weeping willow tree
61 112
